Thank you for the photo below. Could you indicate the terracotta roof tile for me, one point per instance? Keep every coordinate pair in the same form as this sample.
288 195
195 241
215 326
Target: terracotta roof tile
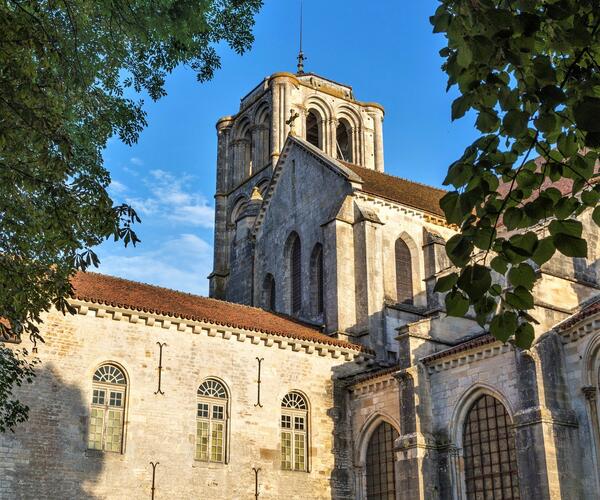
403 191
585 312
118 292
472 343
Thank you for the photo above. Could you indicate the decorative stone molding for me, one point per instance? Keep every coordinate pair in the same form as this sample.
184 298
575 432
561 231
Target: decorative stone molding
225 333
467 357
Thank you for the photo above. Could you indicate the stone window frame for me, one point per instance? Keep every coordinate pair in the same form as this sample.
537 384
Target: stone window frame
109 384
293 293
216 396
389 431
317 281
294 406
344 126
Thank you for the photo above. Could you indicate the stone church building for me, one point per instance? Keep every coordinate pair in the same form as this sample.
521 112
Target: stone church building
323 366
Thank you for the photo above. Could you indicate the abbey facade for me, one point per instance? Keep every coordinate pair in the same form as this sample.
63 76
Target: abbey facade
323 366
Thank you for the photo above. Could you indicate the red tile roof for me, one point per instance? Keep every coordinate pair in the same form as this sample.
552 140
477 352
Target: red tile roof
585 312
472 343
118 292
403 191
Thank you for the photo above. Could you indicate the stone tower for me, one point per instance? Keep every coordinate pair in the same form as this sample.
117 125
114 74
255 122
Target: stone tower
249 144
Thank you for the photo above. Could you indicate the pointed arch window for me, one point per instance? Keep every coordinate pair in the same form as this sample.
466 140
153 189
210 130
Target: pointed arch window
381 481
343 135
404 284
317 279
294 432
269 296
489 452
313 129
295 274
211 421
107 413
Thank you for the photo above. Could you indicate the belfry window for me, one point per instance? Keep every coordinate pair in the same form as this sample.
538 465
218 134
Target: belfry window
404 285
211 422
105 431
381 482
313 129
343 135
489 452
295 274
294 432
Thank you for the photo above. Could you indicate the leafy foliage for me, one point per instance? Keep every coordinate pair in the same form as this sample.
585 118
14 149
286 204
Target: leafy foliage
15 369
66 71
530 70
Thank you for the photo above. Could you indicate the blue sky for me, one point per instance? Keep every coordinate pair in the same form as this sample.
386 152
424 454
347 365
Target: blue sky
384 49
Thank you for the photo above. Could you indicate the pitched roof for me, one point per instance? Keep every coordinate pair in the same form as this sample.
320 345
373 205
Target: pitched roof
122 293
591 308
400 190
472 343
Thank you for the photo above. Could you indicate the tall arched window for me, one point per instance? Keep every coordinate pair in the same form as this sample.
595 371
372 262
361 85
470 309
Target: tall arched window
316 270
211 422
489 452
295 255
268 298
294 432
313 129
248 154
404 285
381 481
109 388
343 135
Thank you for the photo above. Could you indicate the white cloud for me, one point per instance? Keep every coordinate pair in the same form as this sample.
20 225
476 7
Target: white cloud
136 161
171 199
181 263
117 187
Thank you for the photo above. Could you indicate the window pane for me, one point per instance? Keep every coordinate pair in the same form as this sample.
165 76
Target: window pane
202 440
98 397
116 399
217 448
95 429
299 452
286 450
218 412
203 410
299 423
114 431
286 421
380 463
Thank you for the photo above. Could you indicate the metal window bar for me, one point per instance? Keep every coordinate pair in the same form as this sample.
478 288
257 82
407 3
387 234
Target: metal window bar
381 483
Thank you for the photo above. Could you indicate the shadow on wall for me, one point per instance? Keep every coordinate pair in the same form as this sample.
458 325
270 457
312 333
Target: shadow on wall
46 457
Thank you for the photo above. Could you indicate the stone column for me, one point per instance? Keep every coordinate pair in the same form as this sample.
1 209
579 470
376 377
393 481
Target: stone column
275 120
377 116
591 393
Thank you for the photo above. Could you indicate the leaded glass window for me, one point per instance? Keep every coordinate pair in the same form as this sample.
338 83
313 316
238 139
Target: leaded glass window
211 422
107 413
381 481
404 284
489 452
294 432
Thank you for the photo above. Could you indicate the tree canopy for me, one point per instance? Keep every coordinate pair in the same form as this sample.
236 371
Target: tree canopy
71 73
530 70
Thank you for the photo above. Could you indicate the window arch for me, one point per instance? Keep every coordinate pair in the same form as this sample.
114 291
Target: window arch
489 451
404 284
314 134
381 481
343 136
295 268
317 279
269 297
107 413
294 432
211 421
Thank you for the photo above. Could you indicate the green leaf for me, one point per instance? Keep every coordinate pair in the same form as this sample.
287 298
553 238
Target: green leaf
596 215
544 251
569 227
515 123
460 107
571 246
445 283
523 275
484 237
520 298
456 304
513 217
503 325
499 264
524 336
586 114
590 197
452 207
459 250
475 281
487 121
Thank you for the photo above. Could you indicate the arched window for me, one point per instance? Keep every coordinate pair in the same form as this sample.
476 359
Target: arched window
489 452
295 265
109 388
247 154
316 269
294 432
211 422
313 129
343 135
268 298
381 482
404 286
263 135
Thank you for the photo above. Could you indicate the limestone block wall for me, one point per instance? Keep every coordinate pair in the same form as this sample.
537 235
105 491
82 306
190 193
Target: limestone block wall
47 456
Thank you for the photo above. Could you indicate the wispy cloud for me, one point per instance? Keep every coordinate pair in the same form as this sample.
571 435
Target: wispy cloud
181 263
171 199
136 161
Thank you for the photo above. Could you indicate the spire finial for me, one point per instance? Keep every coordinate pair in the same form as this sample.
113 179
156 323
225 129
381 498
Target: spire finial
301 57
